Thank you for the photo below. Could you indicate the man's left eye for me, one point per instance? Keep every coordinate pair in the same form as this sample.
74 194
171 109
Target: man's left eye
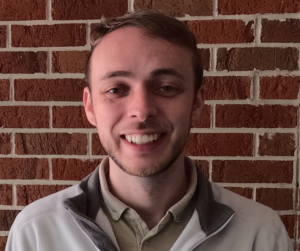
115 90
167 88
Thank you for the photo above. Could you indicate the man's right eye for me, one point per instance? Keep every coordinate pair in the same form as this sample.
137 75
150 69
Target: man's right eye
115 90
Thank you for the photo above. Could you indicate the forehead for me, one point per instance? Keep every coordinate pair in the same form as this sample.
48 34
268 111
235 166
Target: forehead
130 49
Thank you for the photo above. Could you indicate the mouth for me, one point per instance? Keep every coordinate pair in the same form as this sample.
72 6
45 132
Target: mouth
142 139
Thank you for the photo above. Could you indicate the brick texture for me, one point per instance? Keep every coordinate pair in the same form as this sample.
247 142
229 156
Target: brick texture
3 240
7 218
220 88
2 36
204 166
48 35
73 169
14 10
49 89
289 222
277 144
5 194
204 119
276 31
79 10
244 171
23 62
262 116
69 61
4 90
51 143
276 198
205 58
5 143
243 191
220 144
70 117
177 8
232 7
27 194
97 148
225 31
248 59
28 169
279 87
24 117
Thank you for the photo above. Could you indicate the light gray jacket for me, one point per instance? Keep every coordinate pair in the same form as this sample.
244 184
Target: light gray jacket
222 220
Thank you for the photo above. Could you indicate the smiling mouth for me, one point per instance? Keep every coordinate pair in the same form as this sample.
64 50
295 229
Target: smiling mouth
141 139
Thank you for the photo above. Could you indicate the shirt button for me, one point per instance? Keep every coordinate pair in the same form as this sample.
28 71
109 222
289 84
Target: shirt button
115 216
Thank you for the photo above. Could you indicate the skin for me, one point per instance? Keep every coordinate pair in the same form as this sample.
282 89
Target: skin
140 86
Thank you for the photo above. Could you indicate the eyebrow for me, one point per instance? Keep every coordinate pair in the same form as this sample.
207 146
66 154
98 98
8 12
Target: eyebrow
166 71
115 74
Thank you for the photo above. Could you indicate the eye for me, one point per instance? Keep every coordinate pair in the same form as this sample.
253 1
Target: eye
115 90
167 88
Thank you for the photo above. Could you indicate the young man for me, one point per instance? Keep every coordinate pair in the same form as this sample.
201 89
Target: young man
144 79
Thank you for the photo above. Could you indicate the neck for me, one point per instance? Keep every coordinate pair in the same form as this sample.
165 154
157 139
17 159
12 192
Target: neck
150 197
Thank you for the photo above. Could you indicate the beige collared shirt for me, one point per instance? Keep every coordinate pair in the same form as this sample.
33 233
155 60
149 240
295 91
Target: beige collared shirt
131 231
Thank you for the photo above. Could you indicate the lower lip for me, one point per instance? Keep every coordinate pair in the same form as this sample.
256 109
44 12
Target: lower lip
144 147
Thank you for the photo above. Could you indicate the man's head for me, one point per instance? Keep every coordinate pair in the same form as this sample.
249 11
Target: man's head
143 97
154 25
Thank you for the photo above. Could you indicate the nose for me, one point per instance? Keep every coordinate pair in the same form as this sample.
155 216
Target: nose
141 105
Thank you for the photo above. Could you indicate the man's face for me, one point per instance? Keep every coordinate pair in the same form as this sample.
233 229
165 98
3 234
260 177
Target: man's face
141 101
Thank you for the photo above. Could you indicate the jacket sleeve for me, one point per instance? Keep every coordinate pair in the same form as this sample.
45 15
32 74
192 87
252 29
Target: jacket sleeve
284 243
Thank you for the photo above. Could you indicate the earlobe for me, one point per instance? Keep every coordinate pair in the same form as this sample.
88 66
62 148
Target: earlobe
88 106
198 105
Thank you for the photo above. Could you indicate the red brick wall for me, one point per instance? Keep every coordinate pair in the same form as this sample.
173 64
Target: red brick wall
246 139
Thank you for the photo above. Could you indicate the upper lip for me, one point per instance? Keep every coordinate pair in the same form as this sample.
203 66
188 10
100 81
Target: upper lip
141 133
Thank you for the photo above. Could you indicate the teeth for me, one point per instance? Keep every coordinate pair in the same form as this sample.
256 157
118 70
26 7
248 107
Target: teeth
142 139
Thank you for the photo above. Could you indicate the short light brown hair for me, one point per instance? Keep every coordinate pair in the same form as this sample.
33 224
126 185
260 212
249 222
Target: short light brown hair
155 25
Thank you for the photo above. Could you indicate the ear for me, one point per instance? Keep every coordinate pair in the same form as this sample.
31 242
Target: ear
198 105
88 106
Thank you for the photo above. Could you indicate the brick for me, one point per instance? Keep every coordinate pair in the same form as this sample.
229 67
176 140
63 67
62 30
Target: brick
220 144
97 148
243 191
3 240
5 194
205 58
4 90
276 31
231 87
5 143
49 89
277 144
276 198
177 8
80 10
23 62
246 171
204 166
279 87
24 117
14 10
225 31
257 58
70 117
73 169
233 7
48 35
204 119
69 61
262 116
25 169
7 218
27 194
2 36
289 222
51 143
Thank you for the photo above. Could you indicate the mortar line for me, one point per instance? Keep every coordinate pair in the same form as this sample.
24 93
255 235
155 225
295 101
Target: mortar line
130 6
257 31
50 169
215 8
14 195
256 87
50 117
210 170
11 89
89 150
48 11
254 193
255 145
213 115
213 60
8 32
4 233
13 144
49 62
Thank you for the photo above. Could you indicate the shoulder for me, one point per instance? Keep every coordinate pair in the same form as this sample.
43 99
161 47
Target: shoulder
45 206
247 211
